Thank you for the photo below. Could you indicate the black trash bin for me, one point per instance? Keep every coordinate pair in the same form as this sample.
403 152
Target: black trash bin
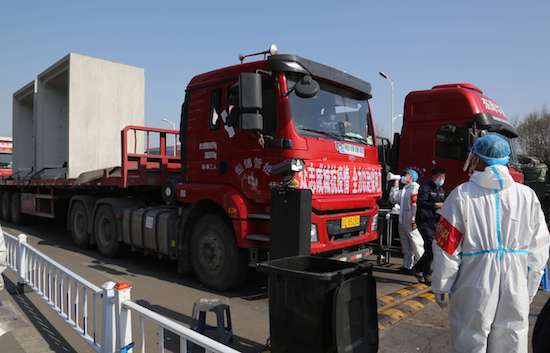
320 305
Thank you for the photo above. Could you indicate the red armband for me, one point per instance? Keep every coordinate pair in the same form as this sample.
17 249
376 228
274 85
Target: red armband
447 236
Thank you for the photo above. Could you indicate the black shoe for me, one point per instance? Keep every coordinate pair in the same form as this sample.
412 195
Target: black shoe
428 280
419 277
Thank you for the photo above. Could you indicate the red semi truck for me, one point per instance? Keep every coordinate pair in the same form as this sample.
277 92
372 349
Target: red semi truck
244 129
439 126
6 149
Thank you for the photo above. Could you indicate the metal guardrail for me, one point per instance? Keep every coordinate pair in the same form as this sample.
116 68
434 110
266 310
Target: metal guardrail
185 334
77 301
72 297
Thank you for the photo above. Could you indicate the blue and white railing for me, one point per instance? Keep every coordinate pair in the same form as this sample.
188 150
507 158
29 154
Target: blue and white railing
101 316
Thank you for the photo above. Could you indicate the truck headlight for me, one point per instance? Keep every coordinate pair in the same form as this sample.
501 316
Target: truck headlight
313 233
374 223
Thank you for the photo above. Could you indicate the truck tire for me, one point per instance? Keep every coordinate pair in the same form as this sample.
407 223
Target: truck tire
541 331
6 206
79 225
106 231
16 216
216 260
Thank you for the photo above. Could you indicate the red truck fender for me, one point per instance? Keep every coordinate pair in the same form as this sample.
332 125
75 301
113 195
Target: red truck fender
221 199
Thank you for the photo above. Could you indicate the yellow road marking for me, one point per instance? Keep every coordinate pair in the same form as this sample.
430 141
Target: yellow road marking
414 305
420 285
395 314
430 296
387 299
402 303
404 292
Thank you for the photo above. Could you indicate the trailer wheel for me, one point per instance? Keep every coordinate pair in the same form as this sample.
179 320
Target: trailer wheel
79 225
106 231
217 261
6 206
16 216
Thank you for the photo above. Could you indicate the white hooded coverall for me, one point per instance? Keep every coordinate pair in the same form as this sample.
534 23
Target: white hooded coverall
412 244
491 246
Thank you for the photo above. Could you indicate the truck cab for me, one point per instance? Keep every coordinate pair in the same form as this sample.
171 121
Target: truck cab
309 115
440 124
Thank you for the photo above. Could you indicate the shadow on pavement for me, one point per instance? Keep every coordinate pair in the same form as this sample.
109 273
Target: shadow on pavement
393 275
172 341
54 339
135 263
394 281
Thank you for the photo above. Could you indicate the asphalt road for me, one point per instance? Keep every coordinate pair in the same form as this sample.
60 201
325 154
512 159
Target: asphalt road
156 285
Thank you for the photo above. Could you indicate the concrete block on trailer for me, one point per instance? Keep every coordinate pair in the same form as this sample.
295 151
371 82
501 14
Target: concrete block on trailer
82 104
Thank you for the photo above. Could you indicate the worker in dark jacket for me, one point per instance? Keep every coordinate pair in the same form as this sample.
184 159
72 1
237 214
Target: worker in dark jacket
430 201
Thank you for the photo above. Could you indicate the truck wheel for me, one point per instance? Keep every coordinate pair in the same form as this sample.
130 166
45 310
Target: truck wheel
6 206
106 231
16 216
79 225
217 261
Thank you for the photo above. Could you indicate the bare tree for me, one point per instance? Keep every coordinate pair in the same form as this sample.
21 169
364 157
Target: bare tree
534 132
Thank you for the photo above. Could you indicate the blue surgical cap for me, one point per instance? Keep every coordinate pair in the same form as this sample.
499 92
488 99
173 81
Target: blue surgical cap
412 173
492 149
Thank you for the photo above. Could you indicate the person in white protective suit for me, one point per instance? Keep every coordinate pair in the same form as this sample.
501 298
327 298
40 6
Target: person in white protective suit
412 244
491 246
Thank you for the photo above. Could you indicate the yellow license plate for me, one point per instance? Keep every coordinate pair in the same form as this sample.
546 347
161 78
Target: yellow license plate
350 222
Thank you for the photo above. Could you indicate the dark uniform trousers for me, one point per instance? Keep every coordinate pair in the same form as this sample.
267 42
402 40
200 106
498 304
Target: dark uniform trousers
426 220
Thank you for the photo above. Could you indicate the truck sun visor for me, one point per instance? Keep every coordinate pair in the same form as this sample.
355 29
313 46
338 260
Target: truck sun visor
494 124
294 63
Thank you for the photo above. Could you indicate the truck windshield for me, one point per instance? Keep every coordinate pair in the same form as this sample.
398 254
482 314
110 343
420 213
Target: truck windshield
335 112
5 160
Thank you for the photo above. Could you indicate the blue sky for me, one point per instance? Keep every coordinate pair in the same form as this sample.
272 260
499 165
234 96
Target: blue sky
501 46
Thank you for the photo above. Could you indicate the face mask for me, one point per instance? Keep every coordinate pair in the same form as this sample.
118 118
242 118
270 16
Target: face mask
439 181
403 180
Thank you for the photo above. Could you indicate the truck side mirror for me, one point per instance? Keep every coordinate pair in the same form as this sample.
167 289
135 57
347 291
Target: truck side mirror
250 101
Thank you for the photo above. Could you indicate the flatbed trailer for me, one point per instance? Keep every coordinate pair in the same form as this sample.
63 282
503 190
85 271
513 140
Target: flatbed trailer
137 174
